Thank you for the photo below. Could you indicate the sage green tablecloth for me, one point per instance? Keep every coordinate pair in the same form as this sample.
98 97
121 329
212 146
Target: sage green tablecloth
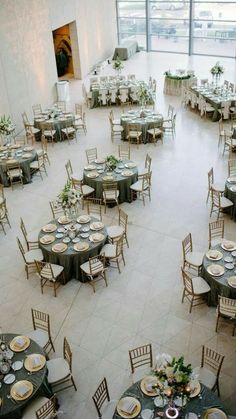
13 410
174 86
231 194
71 259
213 102
126 50
58 125
24 164
219 285
196 405
146 122
124 183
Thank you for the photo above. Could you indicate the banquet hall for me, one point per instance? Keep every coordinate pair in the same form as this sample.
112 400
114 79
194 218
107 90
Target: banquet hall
117 209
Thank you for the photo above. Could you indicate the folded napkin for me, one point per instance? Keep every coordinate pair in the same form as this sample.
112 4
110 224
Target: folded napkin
59 246
128 406
228 244
22 390
97 225
46 239
215 415
83 218
97 236
213 254
19 341
35 361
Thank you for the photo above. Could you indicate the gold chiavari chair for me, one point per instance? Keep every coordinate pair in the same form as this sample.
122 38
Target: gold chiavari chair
116 231
209 371
227 310
101 396
191 259
31 239
42 330
216 232
195 289
142 355
29 257
95 270
114 252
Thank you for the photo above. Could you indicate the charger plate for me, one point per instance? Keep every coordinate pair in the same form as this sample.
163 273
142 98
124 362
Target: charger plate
16 386
15 348
135 412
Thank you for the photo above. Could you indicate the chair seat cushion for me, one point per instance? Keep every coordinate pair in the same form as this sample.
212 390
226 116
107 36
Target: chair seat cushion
39 336
110 195
29 412
217 240
200 286
87 190
49 133
14 173
134 134
85 268
69 130
225 202
218 187
117 128
32 237
35 130
115 231
155 131
32 255
137 186
58 369
109 409
34 164
205 376
56 269
109 250
195 258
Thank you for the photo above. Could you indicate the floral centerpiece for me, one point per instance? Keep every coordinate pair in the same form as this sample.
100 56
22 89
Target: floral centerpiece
6 126
54 112
177 76
217 70
143 94
111 163
69 197
118 65
174 376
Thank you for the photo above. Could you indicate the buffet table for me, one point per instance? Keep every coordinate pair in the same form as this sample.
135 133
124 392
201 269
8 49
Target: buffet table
126 50
206 399
219 282
10 408
125 175
16 154
73 255
146 122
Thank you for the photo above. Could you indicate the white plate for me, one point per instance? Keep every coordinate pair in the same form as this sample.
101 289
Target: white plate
147 414
84 235
191 415
85 229
9 378
66 240
160 402
59 235
228 259
180 402
229 266
17 365
233 254
61 230
76 240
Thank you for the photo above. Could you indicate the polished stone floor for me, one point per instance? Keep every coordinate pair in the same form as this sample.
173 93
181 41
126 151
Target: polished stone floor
143 303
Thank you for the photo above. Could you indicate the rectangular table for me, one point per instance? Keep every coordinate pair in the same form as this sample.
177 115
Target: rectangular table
126 50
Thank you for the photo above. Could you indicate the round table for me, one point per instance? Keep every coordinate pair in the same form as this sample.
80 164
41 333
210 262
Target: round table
196 405
11 409
22 155
218 284
123 182
174 84
147 122
230 193
71 260
58 123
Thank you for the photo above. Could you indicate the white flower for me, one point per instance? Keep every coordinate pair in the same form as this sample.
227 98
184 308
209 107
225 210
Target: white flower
162 360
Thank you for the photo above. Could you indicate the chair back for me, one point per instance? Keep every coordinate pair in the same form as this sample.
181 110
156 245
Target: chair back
44 143
25 118
91 154
100 396
78 109
2 191
124 151
123 219
67 353
231 167
77 185
40 320
61 104
47 410
215 197
227 306
123 94
148 162
188 283
134 129
37 109
216 229
210 178
44 270
110 187
15 167
94 206
23 229
212 360
146 180
56 208
21 248
95 264
3 211
139 356
119 246
69 170
187 244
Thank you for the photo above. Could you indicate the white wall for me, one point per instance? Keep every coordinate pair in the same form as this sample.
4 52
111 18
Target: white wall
27 60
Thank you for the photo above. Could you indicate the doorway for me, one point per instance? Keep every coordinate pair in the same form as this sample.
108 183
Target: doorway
67 52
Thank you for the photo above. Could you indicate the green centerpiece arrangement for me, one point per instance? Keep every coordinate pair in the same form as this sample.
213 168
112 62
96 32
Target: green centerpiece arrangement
174 377
169 75
144 95
111 163
6 125
69 197
118 65
217 70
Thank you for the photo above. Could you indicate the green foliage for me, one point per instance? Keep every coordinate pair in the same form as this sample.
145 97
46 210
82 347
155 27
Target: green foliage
217 69
118 65
5 124
111 162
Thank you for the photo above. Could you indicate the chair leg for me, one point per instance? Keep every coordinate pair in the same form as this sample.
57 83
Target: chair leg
118 265
183 296
122 254
217 322
73 382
